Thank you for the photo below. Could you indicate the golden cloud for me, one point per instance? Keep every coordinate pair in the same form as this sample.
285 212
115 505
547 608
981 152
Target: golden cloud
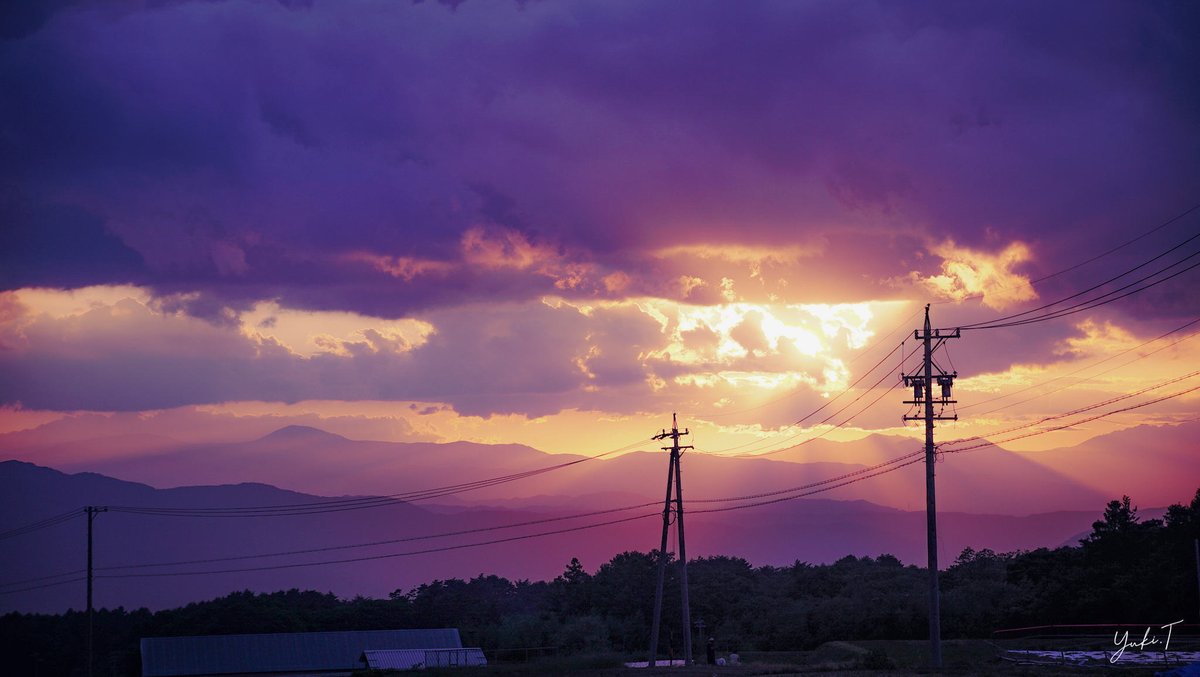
970 273
403 267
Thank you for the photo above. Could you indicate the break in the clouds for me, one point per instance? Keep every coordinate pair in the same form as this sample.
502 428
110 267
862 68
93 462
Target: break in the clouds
101 349
528 207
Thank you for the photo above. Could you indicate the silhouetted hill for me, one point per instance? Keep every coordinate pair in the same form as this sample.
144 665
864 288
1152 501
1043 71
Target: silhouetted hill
1155 465
301 434
813 530
316 462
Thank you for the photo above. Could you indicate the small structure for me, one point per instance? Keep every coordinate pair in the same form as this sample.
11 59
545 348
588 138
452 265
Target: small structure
286 654
412 659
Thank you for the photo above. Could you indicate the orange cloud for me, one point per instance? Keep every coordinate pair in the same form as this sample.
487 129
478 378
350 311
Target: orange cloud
968 273
404 267
307 332
504 248
745 254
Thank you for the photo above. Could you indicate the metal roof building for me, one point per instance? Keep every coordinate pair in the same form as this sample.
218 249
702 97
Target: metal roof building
409 659
297 653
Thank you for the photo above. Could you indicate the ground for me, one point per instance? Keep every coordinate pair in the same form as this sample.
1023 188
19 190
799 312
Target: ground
843 659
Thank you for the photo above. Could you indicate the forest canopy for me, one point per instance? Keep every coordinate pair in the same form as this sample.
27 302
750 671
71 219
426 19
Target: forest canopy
1128 569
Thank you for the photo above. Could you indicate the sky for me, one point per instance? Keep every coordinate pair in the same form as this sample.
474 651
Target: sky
556 223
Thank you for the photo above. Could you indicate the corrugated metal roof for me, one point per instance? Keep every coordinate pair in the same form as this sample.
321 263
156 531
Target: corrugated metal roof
395 659
283 652
408 659
444 658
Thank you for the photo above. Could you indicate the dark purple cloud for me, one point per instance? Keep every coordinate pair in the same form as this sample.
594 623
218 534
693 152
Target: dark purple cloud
240 150
60 245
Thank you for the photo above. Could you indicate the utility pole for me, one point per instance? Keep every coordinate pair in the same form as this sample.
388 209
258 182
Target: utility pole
91 511
675 481
922 382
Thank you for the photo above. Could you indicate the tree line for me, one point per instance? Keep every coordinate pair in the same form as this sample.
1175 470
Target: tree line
1127 570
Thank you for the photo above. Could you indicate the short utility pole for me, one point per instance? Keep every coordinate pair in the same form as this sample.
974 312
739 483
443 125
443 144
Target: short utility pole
674 477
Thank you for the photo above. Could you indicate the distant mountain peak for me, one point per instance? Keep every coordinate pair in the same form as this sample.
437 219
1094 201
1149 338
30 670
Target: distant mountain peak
300 433
16 465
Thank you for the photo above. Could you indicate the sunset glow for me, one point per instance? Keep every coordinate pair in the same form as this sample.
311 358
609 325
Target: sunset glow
239 238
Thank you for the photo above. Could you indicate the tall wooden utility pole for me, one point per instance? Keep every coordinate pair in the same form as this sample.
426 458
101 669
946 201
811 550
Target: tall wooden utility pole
922 383
91 511
674 479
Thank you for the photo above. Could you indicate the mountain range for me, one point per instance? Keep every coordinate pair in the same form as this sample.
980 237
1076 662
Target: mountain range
1155 465
985 501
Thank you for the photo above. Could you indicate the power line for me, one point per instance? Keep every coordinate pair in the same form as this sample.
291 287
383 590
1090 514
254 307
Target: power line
810 493
42 524
1101 300
826 431
1004 320
1099 373
1043 278
40 587
772 497
861 475
808 489
462 532
1157 228
367 558
832 480
859 355
759 452
818 487
990 443
390 541
755 453
860 379
789 490
45 578
479 543
340 505
1073 412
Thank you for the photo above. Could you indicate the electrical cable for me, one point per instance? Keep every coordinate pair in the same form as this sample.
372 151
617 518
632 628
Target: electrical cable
1077 383
479 543
506 526
826 431
988 324
390 541
991 443
44 578
865 374
1157 228
1073 412
1089 366
40 587
41 524
1173 219
340 505
1100 300
878 343
819 487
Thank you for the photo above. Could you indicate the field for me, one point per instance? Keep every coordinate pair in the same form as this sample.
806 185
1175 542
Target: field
848 659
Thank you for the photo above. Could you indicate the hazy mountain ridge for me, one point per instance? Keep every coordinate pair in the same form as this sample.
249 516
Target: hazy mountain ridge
813 530
313 461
